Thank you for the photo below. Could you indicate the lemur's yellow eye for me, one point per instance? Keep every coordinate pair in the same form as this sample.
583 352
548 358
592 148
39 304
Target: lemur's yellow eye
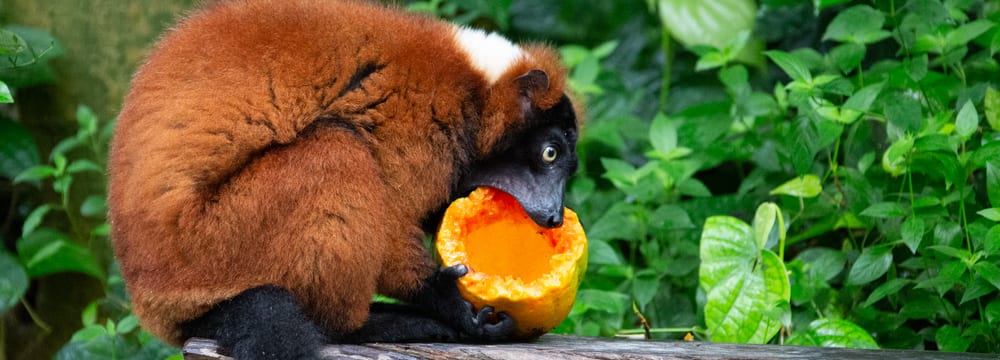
549 154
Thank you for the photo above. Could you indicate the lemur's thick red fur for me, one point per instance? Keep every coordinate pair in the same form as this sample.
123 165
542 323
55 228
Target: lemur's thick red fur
298 143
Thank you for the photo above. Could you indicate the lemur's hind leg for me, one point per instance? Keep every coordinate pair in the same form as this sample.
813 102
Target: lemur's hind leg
264 322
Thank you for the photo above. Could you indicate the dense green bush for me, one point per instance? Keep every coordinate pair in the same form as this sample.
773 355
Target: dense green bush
818 172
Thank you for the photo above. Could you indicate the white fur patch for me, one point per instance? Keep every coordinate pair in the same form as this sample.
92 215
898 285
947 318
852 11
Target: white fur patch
491 54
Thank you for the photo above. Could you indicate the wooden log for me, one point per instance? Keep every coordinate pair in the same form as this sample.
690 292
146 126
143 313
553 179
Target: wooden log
569 347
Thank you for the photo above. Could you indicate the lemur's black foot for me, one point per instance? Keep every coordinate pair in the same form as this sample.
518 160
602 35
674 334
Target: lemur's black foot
265 322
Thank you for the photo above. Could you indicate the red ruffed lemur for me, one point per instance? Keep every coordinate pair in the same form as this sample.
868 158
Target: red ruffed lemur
278 162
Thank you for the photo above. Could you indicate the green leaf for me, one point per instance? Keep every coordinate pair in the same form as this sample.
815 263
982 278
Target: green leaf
949 338
89 315
916 66
47 251
841 333
599 252
991 105
806 186
913 232
960 254
888 288
895 159
645 285
991 213
993 183
989 271
884 210
18 151
992 313
5 96
94 206
87 121
965 33
847 56
726 244
34 219
128 324
28 68
792 66
976 289
992 243
823 263
870 265
859 24
863 99
663 133
768 225
606 301
707 22
736 309
904 114
83 165
968 120
35 173
13 282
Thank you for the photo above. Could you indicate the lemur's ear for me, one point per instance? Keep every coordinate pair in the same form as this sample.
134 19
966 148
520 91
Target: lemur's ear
533 82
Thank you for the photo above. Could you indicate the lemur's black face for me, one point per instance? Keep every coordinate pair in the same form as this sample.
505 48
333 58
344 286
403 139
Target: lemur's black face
533 164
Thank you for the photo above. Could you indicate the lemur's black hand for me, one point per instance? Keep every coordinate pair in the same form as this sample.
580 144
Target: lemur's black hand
458 312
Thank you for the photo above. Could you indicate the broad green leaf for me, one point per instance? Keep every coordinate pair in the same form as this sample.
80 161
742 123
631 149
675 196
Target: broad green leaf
94 206
736 310
904 114
991 105
860 24
847 56
47 251
34 219
599 252
663 133
968 120
791 65
768 225
707 22
13 282
992 243
862 99
823 263
726 245
608 301
992 313
991 213
884 210
895 159
913 232
976 289
14 70
916 66
888 288
128 324
949 338
965 33
806 186
989 271
18 151
5 96
841 333
993 183
89 315
645 285
870 265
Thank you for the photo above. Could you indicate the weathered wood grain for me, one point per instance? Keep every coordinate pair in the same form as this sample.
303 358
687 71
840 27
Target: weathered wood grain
577 347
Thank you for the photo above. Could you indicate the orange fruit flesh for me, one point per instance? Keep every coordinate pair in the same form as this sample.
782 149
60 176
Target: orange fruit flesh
485 256
529 272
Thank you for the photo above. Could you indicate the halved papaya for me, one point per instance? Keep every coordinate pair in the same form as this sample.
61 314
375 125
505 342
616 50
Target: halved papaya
530 272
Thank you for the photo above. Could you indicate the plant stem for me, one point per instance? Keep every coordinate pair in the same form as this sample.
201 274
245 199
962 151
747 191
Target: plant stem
35 318
668 56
